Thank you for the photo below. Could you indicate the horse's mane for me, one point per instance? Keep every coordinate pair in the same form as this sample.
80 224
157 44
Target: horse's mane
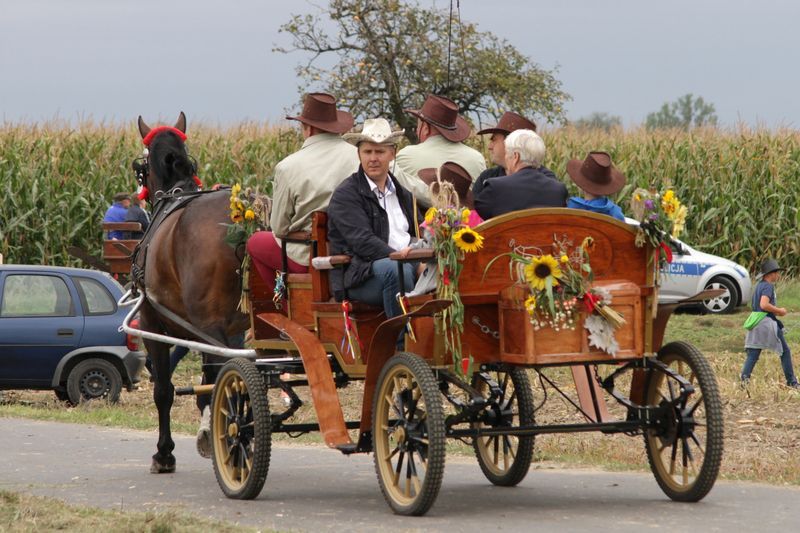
170 162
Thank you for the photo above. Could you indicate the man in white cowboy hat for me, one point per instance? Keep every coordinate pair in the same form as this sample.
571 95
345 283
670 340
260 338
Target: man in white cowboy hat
303 183
370 216
441 131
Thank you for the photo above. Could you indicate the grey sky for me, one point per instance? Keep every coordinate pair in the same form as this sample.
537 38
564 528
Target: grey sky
115 59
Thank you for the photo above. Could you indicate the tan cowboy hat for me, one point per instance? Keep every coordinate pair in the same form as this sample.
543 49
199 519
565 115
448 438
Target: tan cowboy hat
510 122
596 175
442 114
319 110
375 130
456 175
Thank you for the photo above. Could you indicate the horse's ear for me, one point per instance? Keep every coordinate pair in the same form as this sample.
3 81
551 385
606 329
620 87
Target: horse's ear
144 129
181 123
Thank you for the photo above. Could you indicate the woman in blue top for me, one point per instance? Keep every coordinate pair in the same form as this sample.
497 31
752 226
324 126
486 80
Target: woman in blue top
769 332
597 178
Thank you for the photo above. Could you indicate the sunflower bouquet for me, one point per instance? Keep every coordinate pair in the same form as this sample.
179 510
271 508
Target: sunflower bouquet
560 289
451 238
247 213
660 217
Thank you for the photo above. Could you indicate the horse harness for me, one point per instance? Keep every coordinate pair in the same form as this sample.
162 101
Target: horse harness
166 204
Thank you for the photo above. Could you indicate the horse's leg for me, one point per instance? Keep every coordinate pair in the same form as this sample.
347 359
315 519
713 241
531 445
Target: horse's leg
163 395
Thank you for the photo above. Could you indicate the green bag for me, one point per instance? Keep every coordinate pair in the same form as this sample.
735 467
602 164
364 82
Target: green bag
754 319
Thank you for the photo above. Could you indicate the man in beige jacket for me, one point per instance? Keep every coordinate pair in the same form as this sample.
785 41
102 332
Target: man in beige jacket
303 183
441 131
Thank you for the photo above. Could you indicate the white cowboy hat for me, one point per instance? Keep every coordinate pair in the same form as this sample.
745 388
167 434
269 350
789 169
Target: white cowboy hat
375 130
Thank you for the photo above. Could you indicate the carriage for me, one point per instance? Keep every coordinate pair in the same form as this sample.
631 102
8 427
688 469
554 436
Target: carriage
416 399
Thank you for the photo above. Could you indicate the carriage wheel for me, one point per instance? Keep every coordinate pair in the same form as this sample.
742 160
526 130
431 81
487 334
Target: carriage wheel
408 434
240 429
505 459
686 450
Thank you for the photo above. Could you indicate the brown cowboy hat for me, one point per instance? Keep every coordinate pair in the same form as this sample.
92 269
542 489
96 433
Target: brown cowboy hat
319 110
456 175
596 175
442 114
510 122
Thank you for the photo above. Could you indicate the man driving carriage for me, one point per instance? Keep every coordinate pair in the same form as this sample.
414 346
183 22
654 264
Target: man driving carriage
303 183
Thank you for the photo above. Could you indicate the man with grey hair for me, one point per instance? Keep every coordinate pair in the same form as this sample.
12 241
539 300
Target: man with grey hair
526 185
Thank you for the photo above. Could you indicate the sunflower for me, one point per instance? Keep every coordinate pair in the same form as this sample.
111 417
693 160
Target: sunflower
249 215
430 214
540 269
236 216
468 240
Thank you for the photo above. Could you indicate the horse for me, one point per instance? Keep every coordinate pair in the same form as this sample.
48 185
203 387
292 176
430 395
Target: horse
187 273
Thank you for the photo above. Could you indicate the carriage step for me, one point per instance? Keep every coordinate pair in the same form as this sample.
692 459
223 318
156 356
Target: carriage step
347 448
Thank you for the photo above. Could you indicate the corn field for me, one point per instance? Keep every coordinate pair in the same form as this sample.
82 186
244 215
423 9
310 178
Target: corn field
741 186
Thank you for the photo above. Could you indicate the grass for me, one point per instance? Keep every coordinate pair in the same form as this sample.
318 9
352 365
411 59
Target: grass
25 513
762 422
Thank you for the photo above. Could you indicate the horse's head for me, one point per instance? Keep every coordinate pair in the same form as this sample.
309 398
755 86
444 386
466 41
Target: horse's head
167 165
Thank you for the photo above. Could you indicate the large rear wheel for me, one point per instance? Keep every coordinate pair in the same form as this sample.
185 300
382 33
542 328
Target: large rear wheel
685 449
241 430
408 434
505 459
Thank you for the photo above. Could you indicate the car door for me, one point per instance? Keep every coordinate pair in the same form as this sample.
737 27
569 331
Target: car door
679 278
41 320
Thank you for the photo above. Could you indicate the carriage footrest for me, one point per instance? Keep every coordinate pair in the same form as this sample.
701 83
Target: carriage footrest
348 448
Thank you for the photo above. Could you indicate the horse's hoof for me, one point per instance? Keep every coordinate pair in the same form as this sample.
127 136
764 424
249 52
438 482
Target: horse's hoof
204 445
160 468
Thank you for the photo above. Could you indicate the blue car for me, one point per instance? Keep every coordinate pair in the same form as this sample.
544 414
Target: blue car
59 330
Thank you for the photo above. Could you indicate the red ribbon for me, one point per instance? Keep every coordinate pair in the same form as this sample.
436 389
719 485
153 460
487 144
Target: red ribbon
161 129
667 251
446 277
590 301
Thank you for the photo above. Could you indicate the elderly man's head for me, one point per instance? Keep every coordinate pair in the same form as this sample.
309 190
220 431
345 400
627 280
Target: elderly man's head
524 148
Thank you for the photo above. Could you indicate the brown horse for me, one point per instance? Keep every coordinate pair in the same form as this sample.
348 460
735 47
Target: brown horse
188 269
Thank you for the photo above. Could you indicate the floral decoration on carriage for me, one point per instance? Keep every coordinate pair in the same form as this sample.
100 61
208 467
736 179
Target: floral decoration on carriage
559 288
661 216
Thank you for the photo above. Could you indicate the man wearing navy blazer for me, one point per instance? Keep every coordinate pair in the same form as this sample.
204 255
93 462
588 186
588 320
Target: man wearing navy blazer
526 185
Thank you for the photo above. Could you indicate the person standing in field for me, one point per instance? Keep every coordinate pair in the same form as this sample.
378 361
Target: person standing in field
764 330
442 132
303 183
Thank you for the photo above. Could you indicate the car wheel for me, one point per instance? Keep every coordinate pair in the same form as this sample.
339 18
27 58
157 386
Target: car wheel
93 379
727 301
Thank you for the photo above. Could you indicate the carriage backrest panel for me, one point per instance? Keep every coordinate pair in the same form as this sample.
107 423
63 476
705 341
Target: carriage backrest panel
614 255
319 235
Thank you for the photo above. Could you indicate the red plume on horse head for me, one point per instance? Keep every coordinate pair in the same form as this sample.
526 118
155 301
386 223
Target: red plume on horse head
167 160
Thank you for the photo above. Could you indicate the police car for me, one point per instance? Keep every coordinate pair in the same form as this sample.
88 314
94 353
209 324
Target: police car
692 271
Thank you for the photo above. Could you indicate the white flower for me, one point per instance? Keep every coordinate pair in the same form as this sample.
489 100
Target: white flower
601 334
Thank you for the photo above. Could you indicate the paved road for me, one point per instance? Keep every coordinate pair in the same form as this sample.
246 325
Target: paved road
316 489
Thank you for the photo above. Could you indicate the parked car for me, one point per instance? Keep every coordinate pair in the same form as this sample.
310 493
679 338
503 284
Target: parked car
692 271
59 330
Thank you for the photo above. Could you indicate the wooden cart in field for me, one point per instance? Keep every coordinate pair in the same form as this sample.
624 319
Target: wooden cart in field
415 400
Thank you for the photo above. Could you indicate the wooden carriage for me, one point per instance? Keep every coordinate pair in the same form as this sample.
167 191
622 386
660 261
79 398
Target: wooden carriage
414 400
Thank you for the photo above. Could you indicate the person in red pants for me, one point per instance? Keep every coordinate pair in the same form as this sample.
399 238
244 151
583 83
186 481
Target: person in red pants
304 182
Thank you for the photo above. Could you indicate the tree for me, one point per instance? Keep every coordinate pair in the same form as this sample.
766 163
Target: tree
391 54
599 121
684 113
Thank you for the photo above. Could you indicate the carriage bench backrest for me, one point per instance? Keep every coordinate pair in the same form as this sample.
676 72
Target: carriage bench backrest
119 261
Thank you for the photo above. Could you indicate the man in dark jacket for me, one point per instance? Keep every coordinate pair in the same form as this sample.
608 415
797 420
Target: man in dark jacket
526 185
136 213
497 148
370 216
